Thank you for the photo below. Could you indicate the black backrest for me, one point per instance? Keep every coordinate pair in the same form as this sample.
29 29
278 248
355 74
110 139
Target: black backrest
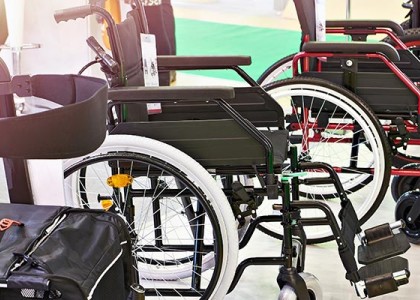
307 17
252 102
131 52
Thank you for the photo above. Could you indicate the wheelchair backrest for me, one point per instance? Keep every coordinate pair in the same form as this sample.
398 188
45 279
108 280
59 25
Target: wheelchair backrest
251 102
311 15
131 64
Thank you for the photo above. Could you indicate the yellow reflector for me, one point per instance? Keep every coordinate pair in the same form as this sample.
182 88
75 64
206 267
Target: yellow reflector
107 204
119 180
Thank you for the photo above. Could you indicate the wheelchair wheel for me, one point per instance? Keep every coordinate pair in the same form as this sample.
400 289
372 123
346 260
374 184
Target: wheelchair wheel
402 184
406 24
312 283
402 209
182 232
281 69
332 125
411 39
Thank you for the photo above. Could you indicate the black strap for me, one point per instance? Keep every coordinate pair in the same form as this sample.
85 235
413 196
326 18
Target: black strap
350 227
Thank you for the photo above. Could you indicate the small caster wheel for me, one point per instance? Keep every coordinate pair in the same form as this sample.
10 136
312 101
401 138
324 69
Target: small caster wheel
402 184
312 283
408 210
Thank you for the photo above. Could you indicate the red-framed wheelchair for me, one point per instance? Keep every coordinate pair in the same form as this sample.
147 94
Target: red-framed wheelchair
385 77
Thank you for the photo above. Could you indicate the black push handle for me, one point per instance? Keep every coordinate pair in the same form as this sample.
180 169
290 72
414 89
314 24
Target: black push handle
73 13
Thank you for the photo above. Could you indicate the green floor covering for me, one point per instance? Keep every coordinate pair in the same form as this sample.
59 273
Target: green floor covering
264 45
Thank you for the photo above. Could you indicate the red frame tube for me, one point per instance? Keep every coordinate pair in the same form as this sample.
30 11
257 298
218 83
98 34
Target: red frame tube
399 44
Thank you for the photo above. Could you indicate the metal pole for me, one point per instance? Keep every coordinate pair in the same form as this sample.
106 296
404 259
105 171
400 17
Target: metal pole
348 9
15 169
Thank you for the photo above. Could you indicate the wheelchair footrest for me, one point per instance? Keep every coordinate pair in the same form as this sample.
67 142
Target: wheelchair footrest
385 276
383 248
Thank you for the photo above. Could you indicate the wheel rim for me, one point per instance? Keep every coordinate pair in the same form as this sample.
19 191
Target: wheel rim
363 188
281 69
282 72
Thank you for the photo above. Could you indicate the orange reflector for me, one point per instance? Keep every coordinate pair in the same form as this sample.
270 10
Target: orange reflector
107 204
120 180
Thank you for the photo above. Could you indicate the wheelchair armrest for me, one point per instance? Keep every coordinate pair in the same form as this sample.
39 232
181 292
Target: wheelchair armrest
170 93
353 48
366 24
173 62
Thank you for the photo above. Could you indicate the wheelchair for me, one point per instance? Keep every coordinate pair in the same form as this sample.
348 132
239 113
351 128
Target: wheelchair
379 74
190 178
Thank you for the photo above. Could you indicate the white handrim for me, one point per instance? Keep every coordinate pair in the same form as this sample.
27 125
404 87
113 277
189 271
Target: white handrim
279 70
197 174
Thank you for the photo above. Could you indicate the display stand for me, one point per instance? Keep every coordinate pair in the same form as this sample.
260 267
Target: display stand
16 171
16 54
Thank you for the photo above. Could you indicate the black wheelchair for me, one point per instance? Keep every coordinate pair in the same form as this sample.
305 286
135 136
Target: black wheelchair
190 179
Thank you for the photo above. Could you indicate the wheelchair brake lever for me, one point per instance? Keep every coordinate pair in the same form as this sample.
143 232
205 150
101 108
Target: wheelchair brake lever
104 57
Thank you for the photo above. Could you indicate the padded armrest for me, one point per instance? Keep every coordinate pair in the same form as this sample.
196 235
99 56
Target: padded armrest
368 24
170 93
352 48
174 62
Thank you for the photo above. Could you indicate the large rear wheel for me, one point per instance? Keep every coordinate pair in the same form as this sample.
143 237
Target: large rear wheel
330 124
182 232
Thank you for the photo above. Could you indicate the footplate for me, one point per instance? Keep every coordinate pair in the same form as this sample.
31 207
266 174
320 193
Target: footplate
380 243
385 276
384 271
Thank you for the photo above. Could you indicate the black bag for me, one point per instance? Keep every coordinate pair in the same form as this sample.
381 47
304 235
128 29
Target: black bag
50 252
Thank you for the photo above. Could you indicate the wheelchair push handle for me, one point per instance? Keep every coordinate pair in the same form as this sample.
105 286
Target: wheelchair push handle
73 13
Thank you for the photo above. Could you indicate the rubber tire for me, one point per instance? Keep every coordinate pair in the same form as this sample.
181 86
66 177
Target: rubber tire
411 39
402 208
312 283
403 184
276 69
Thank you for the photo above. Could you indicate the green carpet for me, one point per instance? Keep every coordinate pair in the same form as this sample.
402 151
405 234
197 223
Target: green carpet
264 45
